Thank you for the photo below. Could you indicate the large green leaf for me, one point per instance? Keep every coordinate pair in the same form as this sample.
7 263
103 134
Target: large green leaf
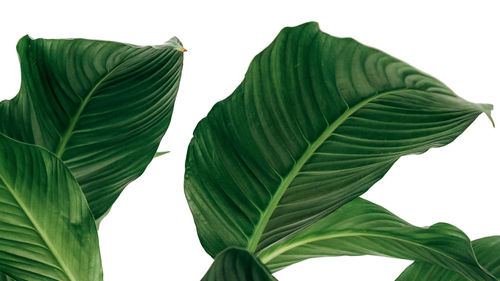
314 124
47 231
363 228
488 254
102 107
237 265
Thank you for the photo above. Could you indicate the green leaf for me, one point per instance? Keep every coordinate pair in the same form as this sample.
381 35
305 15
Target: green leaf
160 153
47 231
363 228
314 124
237 265
486 249
102 107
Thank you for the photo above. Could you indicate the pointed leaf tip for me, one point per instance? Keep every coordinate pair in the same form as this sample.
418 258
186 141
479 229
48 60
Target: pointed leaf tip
160 153
176 43
491 119
487 108
23 43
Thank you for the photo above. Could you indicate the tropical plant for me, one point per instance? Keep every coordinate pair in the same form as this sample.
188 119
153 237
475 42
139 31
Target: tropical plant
102 107
273 173
91 115
276 168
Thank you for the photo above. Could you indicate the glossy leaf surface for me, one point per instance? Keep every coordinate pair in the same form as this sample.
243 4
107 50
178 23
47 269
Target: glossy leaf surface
488 254
102 107
237 265
363 228
314 124
47 231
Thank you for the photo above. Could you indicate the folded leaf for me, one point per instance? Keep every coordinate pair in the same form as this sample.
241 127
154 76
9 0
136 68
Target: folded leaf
363 228
102 107
314 124
47 231
486 249
237 265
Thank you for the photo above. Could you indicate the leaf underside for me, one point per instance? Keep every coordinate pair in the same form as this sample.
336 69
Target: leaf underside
237 265
314 124
102 107
47 231
486 249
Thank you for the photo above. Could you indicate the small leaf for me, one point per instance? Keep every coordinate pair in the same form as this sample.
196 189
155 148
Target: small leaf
102 107
160 153
486 249
237 265
363 228
47 231
315 123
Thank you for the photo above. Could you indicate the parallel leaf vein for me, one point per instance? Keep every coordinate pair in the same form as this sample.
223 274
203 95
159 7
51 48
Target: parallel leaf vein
294 171
69 131
40 232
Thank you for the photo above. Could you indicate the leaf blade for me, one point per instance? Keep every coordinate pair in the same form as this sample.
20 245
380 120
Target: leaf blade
47 230
486 250
363 228
101 106
314 124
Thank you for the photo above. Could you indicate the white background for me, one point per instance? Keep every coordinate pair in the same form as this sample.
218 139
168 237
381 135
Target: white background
150 235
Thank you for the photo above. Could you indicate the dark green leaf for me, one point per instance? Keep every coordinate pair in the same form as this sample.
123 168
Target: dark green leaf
102 107
488 254
314 124
237 265
363 228
47 231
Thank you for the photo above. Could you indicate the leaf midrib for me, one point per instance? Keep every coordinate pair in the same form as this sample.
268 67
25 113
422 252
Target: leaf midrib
266 257
69 131
40 232
311 149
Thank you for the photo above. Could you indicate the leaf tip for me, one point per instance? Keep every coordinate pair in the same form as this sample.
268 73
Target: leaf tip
309 26
22 43
487 108
175 43
160 153
491 119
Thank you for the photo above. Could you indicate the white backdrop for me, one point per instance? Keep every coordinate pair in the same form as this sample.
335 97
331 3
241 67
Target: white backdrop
150 235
